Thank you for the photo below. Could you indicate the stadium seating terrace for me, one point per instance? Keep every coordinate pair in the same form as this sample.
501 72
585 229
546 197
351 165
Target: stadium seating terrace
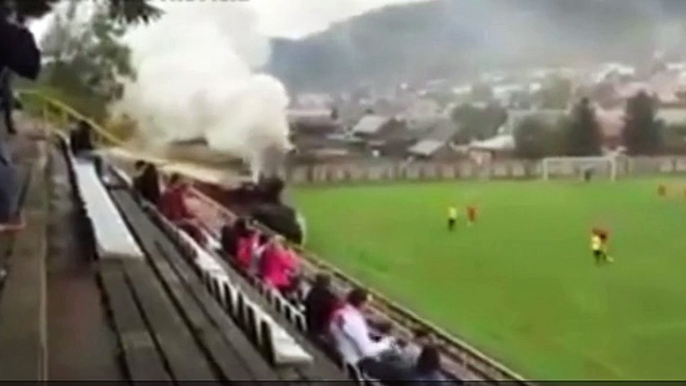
96 290
100 286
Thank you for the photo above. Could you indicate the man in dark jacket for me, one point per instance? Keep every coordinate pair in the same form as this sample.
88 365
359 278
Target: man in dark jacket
320 303
6 100
146 182
19 54
80 139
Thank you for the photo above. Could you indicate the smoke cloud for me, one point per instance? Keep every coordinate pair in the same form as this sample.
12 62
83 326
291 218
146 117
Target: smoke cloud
196 79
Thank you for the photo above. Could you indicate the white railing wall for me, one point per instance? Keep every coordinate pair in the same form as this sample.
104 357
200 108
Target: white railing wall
380 171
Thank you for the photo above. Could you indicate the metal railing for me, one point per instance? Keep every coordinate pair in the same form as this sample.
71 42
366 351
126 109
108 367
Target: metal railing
61 115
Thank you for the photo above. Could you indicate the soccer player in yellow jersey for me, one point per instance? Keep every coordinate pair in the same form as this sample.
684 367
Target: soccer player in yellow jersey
452 217
596 247
599 239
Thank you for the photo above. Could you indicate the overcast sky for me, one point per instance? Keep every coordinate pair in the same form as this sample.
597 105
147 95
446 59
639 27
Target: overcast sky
296 18
293 18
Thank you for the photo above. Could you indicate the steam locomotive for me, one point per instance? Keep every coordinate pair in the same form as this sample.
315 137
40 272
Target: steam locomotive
262 202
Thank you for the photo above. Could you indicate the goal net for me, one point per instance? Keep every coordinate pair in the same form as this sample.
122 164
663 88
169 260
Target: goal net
608 167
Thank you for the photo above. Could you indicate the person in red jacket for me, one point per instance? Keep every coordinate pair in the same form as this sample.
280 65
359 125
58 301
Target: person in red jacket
173 207
278 265
247 243
172 202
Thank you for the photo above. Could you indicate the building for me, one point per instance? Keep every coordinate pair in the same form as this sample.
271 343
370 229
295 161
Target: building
437 143
500 146
373 126
383 135
316 134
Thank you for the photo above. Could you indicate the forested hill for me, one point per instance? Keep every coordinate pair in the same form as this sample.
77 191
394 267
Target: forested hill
448 37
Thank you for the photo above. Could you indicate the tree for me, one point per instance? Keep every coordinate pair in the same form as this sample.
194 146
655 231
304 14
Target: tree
642 134
124 11
86 59
583 131
478 123
556 93
534 139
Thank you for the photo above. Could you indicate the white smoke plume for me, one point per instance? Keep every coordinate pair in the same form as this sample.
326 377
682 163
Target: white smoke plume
195 80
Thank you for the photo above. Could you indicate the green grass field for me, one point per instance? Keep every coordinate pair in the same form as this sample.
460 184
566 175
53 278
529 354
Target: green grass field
522 286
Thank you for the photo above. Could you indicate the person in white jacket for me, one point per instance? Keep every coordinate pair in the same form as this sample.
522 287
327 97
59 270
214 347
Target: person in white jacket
350 332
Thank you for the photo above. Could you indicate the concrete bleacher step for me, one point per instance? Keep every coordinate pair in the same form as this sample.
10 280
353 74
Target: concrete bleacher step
168 324
319 371
155 342
184 358
223 343
22 300
81 342
322 369
141 356
114 240
148 302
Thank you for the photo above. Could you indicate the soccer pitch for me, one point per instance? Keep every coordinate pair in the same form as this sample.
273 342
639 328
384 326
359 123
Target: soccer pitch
522 285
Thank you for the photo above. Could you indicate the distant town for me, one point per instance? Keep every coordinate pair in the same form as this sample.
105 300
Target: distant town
441 120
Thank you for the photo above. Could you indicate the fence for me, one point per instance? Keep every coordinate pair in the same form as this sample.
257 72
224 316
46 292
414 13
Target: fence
380 171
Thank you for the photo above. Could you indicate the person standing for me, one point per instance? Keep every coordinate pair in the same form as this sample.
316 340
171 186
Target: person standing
10 219
599 241
19 54
452 217
471 215
7 100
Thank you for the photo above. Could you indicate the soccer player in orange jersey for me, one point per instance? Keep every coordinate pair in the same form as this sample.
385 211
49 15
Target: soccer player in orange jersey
471 214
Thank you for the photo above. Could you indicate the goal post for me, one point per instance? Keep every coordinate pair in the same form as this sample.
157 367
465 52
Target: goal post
609 167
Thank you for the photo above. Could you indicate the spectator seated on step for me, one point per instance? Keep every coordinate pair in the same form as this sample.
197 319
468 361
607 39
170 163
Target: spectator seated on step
146 182
411 351
231 235
173 207
260 247
352 338
320 303
427 371
81 140
247 244
278 265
